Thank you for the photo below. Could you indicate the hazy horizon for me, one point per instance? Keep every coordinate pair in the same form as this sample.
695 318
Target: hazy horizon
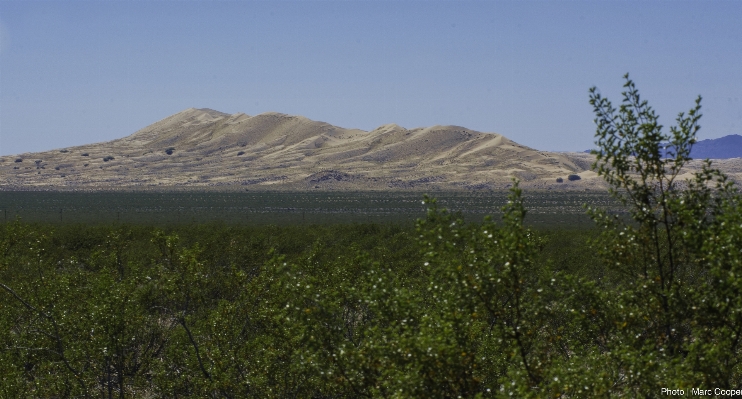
74 73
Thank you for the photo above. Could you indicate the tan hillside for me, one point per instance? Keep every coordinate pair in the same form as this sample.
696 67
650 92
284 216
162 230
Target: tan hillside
203 148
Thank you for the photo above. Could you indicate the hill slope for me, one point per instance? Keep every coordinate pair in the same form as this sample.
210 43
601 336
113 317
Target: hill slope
721 148
202 148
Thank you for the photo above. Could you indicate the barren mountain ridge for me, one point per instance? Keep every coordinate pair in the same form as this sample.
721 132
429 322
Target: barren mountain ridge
203 148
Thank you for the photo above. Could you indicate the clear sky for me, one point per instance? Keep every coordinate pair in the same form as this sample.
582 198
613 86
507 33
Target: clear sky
73 73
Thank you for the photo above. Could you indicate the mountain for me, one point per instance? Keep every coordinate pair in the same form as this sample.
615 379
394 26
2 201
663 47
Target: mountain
722 148
208 149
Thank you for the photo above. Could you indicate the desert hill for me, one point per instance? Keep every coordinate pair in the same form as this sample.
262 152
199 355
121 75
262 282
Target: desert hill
203 148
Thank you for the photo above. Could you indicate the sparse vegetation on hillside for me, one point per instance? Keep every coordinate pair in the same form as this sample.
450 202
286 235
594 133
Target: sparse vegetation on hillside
388 158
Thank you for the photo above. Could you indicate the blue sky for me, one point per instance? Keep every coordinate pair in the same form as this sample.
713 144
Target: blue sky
72 73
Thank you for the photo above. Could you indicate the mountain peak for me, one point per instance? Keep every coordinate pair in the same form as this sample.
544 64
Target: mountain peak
202 147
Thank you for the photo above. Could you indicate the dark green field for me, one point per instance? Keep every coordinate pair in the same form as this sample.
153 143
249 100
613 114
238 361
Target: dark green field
558 209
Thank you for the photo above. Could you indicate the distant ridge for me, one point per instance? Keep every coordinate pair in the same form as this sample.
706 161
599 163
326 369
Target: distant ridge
200 149
722 148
